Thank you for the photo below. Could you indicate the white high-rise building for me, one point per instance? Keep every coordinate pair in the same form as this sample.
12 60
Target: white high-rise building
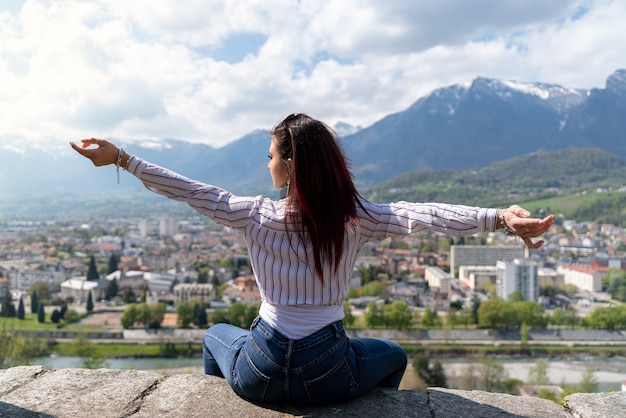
144 227
483 255
517 276
167 227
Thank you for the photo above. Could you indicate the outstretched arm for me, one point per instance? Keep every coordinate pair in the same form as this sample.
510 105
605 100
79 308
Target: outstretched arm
516 221
379 221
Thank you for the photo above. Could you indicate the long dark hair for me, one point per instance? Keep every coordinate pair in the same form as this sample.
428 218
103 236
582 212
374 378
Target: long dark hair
321 195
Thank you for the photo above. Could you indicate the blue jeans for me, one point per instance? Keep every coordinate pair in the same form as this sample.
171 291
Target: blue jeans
325 367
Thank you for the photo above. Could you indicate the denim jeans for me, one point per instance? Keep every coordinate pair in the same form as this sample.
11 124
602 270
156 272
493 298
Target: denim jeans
325 367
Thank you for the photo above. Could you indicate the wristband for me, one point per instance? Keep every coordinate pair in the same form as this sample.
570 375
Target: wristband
118 163
507 230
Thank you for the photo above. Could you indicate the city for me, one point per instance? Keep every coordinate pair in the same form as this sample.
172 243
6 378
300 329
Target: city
440 279
160 260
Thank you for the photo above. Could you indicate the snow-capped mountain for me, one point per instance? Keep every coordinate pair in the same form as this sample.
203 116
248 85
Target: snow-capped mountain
472 125
463 126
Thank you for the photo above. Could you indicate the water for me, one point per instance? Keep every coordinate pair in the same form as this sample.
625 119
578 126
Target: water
608 372
66 362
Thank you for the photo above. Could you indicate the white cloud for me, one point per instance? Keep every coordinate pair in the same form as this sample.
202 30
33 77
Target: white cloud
148 69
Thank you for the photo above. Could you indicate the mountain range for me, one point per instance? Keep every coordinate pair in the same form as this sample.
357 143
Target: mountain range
458 127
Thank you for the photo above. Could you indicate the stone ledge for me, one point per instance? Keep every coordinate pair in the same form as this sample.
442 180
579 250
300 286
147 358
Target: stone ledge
31 391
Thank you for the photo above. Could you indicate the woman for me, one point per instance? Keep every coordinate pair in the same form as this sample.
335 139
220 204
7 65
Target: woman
303 249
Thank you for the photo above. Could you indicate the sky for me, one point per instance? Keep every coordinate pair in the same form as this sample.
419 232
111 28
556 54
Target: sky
212 71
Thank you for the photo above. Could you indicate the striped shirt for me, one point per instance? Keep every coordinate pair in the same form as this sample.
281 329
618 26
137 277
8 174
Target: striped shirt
294 300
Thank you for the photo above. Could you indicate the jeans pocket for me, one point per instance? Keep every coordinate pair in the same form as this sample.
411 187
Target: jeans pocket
336 385
248 381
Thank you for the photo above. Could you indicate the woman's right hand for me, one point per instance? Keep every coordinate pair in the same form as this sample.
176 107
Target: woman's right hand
105 152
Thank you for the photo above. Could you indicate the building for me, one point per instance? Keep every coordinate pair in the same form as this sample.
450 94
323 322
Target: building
145 228
438 279
78 289
585 277
133 279
475 277
550 275
517 276
4 286
156 261
186 292
248 290
22 278
483 255
405 292
167 227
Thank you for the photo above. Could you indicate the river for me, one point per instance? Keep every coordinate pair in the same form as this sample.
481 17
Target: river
608 372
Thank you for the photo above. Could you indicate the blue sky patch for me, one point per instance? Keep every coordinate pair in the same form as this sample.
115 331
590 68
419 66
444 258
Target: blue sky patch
235 47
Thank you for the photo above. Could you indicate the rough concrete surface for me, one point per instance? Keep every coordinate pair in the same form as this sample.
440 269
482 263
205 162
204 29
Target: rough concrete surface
31 391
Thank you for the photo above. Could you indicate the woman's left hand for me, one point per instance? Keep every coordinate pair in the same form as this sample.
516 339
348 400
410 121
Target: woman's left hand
518 221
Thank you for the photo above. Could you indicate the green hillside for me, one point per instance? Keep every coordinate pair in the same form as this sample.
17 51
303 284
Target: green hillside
581 183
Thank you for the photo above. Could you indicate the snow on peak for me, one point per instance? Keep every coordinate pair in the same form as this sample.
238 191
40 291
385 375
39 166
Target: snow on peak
527 88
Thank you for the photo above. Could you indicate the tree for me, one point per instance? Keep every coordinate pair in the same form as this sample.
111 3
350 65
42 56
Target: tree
398 315
128 295
242 315
496 314
470 377
548 289
20 309
8 309
431 373
63 310
494 375
150 315
114 261
588 383
92 357
55 316
562 316
348 317
92 271
429 317
203 275
474 312
524 334
529 312
610 317
219 316
547 394
615 280
157 313
43 290
89 305
538 374
112 290
184 314
34 304
374 316
199 314
41 313
515 296
129 317
9 348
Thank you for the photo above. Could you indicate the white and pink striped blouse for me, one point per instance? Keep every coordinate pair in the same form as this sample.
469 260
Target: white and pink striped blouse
294 300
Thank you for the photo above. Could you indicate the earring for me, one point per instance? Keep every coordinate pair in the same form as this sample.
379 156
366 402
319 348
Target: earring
288 183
